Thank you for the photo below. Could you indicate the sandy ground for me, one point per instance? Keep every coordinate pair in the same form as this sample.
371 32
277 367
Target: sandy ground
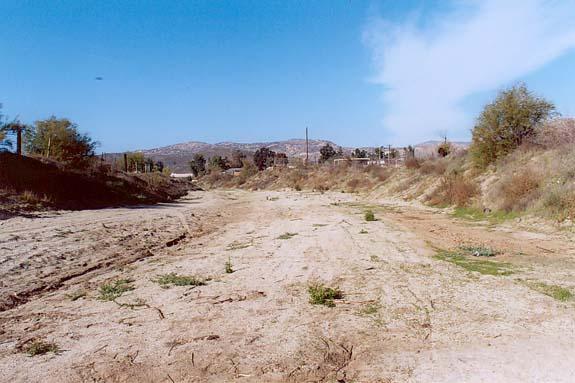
405 316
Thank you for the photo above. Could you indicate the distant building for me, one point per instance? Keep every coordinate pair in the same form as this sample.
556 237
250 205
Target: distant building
233 171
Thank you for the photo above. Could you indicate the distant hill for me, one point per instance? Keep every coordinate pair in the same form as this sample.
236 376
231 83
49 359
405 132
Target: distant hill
177 156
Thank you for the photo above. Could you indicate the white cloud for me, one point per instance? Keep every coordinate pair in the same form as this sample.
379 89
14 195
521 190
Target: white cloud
478 46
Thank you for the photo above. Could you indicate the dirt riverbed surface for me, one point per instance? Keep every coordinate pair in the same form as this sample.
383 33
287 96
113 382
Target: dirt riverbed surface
406 315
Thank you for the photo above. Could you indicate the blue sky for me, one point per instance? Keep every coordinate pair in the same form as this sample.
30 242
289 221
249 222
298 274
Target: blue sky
357 72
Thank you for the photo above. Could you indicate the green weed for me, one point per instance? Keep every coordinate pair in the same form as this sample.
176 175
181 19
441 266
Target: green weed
370 309
229 268
111 291
369 216
39 347
319 294
287 235
179 280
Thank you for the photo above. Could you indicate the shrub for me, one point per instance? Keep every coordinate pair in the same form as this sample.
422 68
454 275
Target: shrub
434 166
514 117
453 189
249 169
556 133
379 172
412 163
560 203
519 190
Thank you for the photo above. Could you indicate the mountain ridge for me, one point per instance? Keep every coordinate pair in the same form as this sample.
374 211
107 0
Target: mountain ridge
177 156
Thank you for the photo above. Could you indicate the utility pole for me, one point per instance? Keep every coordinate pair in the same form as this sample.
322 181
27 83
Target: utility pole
306 147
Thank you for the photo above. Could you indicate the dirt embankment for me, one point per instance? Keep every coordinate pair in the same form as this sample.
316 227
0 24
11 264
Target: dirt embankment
406 315
29 184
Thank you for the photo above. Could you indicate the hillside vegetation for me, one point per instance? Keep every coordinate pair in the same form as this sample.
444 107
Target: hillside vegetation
521 161
32 183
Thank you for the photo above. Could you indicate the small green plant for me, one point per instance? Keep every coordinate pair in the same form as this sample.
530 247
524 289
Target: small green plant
369 216
370 309
39 347
363 231
74 296
229 268
111 291
319 294
554 291
481 266
287 235
479 251
179 280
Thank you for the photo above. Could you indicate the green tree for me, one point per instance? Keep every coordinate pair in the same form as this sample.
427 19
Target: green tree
5 143
198 165
237 159
219 162
515 116
264 157
444 149
136 162
359 153
409 152
60 139
327 152
281 159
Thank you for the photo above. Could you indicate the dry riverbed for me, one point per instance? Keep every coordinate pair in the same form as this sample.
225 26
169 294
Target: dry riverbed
215 288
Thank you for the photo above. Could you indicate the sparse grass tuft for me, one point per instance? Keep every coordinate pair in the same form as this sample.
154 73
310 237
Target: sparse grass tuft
287 235
363 231
229 268
554 291
481 266
369 216
111 291
39 347
475 214
179 280
320 294
236 245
